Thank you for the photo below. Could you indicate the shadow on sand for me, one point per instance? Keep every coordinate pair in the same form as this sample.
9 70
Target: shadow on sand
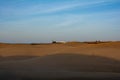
59 67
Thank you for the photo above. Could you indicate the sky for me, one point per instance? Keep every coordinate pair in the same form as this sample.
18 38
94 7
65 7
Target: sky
41 21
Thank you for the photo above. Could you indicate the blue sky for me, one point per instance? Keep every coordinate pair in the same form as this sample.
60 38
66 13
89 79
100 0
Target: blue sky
30 21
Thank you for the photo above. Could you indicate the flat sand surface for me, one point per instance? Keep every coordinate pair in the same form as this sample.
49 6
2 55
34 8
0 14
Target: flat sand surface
69 61
110 49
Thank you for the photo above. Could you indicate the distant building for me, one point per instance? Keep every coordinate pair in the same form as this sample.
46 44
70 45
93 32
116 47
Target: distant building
54 42
63 42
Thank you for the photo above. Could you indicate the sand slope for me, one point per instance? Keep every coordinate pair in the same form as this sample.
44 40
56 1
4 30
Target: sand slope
110 50
71 61
60 66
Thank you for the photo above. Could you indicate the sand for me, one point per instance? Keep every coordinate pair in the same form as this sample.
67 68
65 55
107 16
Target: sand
110 49
69 61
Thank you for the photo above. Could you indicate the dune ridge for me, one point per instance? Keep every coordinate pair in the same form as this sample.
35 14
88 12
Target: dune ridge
69 61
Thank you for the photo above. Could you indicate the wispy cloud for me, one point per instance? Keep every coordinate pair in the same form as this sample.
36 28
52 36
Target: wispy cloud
91 26
51 8
75 5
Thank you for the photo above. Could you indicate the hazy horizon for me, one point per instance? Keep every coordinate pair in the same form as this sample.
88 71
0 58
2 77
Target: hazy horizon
40 21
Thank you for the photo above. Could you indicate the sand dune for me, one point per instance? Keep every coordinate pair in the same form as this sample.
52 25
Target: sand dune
110 49
70 61
60 66
65 62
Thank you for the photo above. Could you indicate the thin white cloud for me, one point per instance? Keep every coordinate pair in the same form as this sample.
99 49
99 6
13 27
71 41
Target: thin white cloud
51 8
64 20
69 26
73 5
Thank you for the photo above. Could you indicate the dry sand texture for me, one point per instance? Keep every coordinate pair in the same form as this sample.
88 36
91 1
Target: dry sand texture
69 61
110 50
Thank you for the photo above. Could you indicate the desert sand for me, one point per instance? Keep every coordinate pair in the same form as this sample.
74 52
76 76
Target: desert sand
68 61
109 50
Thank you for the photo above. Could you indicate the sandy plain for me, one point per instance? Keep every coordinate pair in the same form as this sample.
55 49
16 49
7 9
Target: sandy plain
68 61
